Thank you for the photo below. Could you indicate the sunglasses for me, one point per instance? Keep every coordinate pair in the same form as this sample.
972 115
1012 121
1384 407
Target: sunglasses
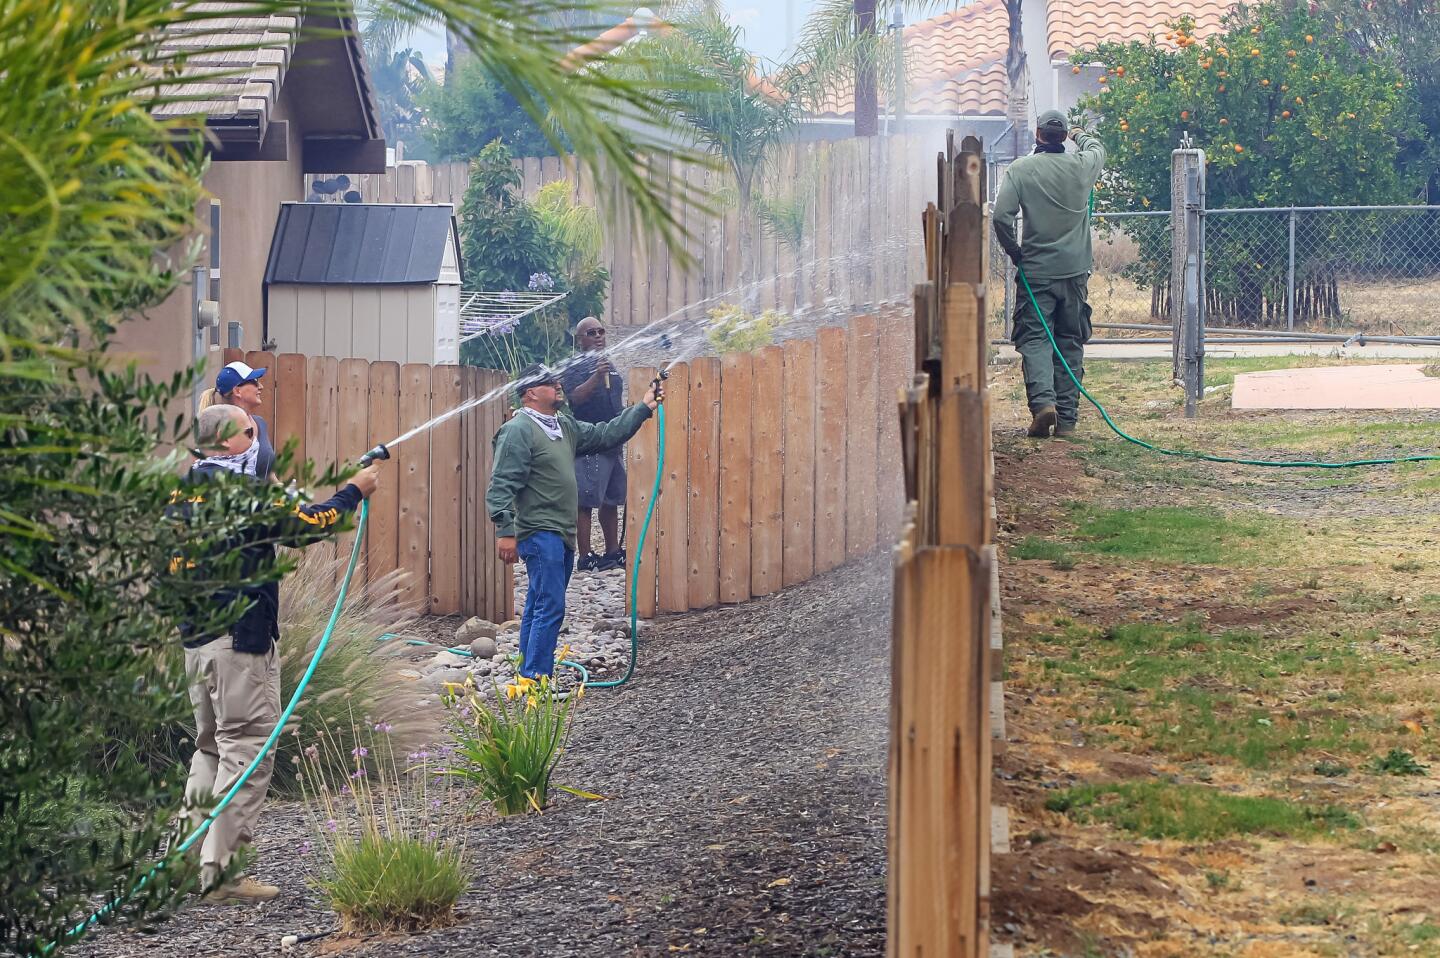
595 332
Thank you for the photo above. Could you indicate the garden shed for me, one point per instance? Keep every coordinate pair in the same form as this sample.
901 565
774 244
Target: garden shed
375 281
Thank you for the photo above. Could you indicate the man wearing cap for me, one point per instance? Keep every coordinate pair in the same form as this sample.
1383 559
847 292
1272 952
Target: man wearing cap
1052 189
593 389
533 499
239 385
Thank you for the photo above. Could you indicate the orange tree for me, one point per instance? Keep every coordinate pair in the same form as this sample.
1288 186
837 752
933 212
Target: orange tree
1289 113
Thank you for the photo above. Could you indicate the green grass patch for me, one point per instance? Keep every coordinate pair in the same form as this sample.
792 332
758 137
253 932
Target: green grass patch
1196 812
1191 536
1398 761
1035 547
1198 695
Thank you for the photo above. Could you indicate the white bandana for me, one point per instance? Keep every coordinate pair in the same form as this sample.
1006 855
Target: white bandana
244 463
550 424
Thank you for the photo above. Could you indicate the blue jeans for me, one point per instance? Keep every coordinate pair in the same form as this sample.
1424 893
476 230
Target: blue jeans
548 563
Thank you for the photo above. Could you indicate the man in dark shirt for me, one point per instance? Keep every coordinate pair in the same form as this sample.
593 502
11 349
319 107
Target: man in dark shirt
594 389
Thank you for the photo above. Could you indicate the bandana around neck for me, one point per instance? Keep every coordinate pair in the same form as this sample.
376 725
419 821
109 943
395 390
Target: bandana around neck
1049 147
242 463
550 425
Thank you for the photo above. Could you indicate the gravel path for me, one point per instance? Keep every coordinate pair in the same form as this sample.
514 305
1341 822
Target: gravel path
746 768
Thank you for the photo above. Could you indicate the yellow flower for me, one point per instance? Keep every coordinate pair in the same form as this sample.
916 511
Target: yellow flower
564 652
512 692
579 691
531 702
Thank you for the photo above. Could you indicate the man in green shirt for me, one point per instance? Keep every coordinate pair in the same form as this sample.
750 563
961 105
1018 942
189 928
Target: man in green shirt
1052 188
533 499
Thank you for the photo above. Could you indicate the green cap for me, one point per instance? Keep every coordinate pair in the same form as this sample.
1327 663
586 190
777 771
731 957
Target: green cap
1051 119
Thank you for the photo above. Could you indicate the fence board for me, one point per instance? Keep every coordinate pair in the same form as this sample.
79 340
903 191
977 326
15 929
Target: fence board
470 530
767 490
672 539
831 394
289 402
798 563
352 437
737 385
895 359
414 479
321 431
860 444
640 455
382 544
703 513
445 494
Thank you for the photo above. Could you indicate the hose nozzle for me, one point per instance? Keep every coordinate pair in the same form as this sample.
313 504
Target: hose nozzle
379 452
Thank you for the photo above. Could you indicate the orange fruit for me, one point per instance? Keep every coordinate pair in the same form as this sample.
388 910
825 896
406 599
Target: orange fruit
1309 38
1299 99
1224 122
1119 71
1285 114
1290 53
1255 51
1184 114
1075 70
1239 148
1264 82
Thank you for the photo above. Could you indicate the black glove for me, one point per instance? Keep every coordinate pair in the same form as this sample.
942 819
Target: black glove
1014 255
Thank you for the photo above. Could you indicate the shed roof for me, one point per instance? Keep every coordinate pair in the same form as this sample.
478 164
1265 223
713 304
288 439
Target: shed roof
360 243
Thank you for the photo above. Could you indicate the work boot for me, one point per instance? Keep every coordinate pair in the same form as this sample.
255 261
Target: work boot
243 891
1064 429
1043 422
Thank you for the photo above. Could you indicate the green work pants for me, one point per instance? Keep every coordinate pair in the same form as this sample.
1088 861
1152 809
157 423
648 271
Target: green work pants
1065 305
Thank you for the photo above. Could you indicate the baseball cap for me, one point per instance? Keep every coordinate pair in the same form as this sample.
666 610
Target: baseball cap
1052 119
234 374
536 374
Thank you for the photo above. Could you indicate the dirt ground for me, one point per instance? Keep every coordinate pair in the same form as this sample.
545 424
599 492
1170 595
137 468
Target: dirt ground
1184 637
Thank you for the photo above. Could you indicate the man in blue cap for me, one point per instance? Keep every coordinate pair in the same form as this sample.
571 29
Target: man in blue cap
1052 188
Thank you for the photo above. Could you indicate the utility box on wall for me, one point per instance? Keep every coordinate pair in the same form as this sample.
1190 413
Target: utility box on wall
374 281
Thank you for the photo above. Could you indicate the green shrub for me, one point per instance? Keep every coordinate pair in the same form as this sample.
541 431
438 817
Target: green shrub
1398 761
356 678
508 747
391 851
733 330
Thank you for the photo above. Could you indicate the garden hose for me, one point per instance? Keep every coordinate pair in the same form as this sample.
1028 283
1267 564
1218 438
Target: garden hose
1186 453
265 749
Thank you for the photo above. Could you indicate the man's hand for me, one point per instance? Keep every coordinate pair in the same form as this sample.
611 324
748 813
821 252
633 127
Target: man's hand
1075 132
509 553
602 369
1015 256
655 396
367 480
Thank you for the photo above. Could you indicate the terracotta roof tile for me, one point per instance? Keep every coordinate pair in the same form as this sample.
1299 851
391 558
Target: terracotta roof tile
955 63
613 39
1081 24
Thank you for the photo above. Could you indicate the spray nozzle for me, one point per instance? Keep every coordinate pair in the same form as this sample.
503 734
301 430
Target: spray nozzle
379 452
655 383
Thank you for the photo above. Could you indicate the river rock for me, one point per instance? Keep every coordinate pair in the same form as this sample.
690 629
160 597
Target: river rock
484 647
474 628
438 679
445 659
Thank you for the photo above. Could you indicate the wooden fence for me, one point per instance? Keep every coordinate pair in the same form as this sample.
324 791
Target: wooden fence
940 743
779 465
856 246
428 516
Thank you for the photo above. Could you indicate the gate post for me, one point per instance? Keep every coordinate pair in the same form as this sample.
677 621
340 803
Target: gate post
1187 272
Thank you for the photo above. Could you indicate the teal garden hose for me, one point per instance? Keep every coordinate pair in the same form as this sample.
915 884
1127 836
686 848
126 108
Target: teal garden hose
1186 453
265 749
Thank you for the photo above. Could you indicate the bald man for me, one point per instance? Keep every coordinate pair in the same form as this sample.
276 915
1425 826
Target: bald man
595 393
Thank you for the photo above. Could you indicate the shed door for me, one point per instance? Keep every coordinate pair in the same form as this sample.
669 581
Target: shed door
447 324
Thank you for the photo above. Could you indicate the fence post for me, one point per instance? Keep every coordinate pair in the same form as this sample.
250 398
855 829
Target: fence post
1290 277
1187 237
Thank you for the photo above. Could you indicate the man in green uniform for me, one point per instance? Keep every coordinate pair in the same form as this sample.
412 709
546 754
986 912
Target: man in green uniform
533 499
1052 189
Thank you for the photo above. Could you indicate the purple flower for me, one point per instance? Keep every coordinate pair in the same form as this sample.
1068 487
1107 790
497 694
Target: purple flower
358 773
434 803
312 752
331 825
344 789
541 282
305 847
383 727
419 756
359 751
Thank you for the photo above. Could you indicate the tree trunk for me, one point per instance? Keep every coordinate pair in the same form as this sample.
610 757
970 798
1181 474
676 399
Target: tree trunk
1017 75
867 105
749 293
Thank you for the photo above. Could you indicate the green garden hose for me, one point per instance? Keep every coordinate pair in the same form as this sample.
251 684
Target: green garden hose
1186 453
189 841
639 552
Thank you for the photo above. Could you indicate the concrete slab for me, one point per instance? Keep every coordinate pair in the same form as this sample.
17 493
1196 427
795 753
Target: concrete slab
1386 386
1153 352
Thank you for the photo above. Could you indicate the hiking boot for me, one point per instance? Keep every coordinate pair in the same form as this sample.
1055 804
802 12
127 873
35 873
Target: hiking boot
1064 429
243 891
591 563
612 560
1043 422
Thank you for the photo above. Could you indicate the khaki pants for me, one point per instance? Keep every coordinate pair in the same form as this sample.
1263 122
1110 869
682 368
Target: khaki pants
237 703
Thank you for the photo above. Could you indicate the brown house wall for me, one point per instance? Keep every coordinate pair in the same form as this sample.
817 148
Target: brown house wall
250 194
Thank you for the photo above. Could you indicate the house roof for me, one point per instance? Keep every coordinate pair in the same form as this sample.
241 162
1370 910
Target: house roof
643 21
1082 24
360 243
954 64
237 89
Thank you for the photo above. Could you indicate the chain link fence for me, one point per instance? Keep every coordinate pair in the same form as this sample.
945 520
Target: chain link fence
1372 269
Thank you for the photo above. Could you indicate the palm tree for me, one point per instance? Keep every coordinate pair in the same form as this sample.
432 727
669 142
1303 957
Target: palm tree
1017 73
399 80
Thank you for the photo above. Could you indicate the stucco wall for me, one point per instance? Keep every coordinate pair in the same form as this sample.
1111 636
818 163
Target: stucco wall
250 195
